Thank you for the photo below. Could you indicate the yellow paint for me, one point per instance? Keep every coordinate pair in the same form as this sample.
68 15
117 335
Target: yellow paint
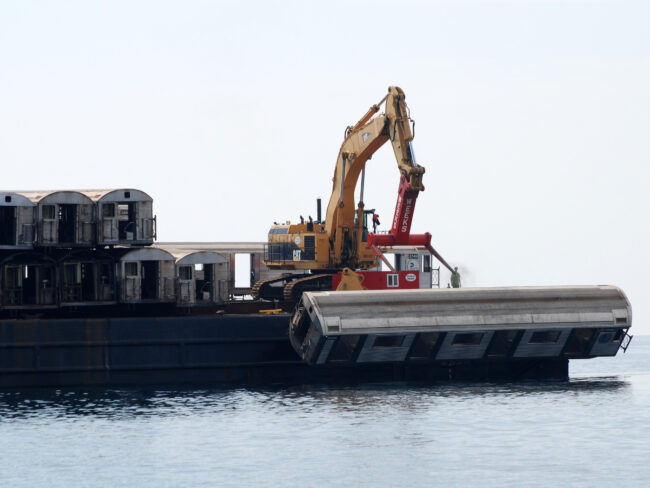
350 281
271 311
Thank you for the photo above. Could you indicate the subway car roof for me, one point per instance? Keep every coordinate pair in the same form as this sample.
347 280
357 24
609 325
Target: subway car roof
77 196
198 257
142 254
223 247
12 199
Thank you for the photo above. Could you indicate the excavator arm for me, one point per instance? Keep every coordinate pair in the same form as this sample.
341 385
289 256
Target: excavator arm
361 142
401 138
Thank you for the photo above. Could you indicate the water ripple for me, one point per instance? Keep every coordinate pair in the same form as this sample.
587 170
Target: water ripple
118 404
586 431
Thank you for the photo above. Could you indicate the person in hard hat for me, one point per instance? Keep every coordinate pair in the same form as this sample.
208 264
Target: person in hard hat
375 222
455 278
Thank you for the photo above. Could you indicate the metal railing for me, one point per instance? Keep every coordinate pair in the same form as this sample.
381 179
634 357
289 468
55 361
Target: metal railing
435 277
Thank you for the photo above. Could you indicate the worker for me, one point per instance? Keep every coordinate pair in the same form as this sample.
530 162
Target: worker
375 222
455 278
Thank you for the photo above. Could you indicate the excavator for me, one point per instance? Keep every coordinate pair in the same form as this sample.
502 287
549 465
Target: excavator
347 312
341 246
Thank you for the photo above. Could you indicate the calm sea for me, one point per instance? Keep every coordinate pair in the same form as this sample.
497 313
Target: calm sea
593 430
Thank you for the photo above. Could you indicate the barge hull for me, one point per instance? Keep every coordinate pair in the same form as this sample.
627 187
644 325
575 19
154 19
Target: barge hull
228 350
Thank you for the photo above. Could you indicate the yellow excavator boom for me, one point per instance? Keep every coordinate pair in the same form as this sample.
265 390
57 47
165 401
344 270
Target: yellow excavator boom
361 142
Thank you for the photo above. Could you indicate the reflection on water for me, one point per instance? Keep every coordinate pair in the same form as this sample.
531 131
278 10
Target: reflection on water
119 404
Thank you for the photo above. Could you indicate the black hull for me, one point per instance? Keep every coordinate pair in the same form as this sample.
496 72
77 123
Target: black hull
228 350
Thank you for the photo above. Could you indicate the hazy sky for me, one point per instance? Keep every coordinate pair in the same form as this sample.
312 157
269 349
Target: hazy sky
532 120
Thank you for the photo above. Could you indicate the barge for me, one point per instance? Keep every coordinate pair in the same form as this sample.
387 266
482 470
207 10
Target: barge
87 298
260 348
190 324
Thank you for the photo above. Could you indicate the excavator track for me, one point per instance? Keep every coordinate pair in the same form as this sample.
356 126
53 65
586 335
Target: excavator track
293 290
263 289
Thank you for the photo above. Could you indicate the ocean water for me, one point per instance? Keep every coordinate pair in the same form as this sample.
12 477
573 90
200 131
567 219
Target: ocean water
592 430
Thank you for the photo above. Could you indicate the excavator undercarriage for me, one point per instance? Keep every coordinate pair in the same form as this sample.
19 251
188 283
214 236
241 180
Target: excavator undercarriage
289 288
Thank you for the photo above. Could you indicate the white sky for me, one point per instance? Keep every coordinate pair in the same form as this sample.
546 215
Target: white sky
532 120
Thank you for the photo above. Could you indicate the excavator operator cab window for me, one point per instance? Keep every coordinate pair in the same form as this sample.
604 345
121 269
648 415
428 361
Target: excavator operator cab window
367 214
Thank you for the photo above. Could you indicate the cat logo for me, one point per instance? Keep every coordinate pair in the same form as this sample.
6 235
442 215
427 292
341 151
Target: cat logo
365 136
